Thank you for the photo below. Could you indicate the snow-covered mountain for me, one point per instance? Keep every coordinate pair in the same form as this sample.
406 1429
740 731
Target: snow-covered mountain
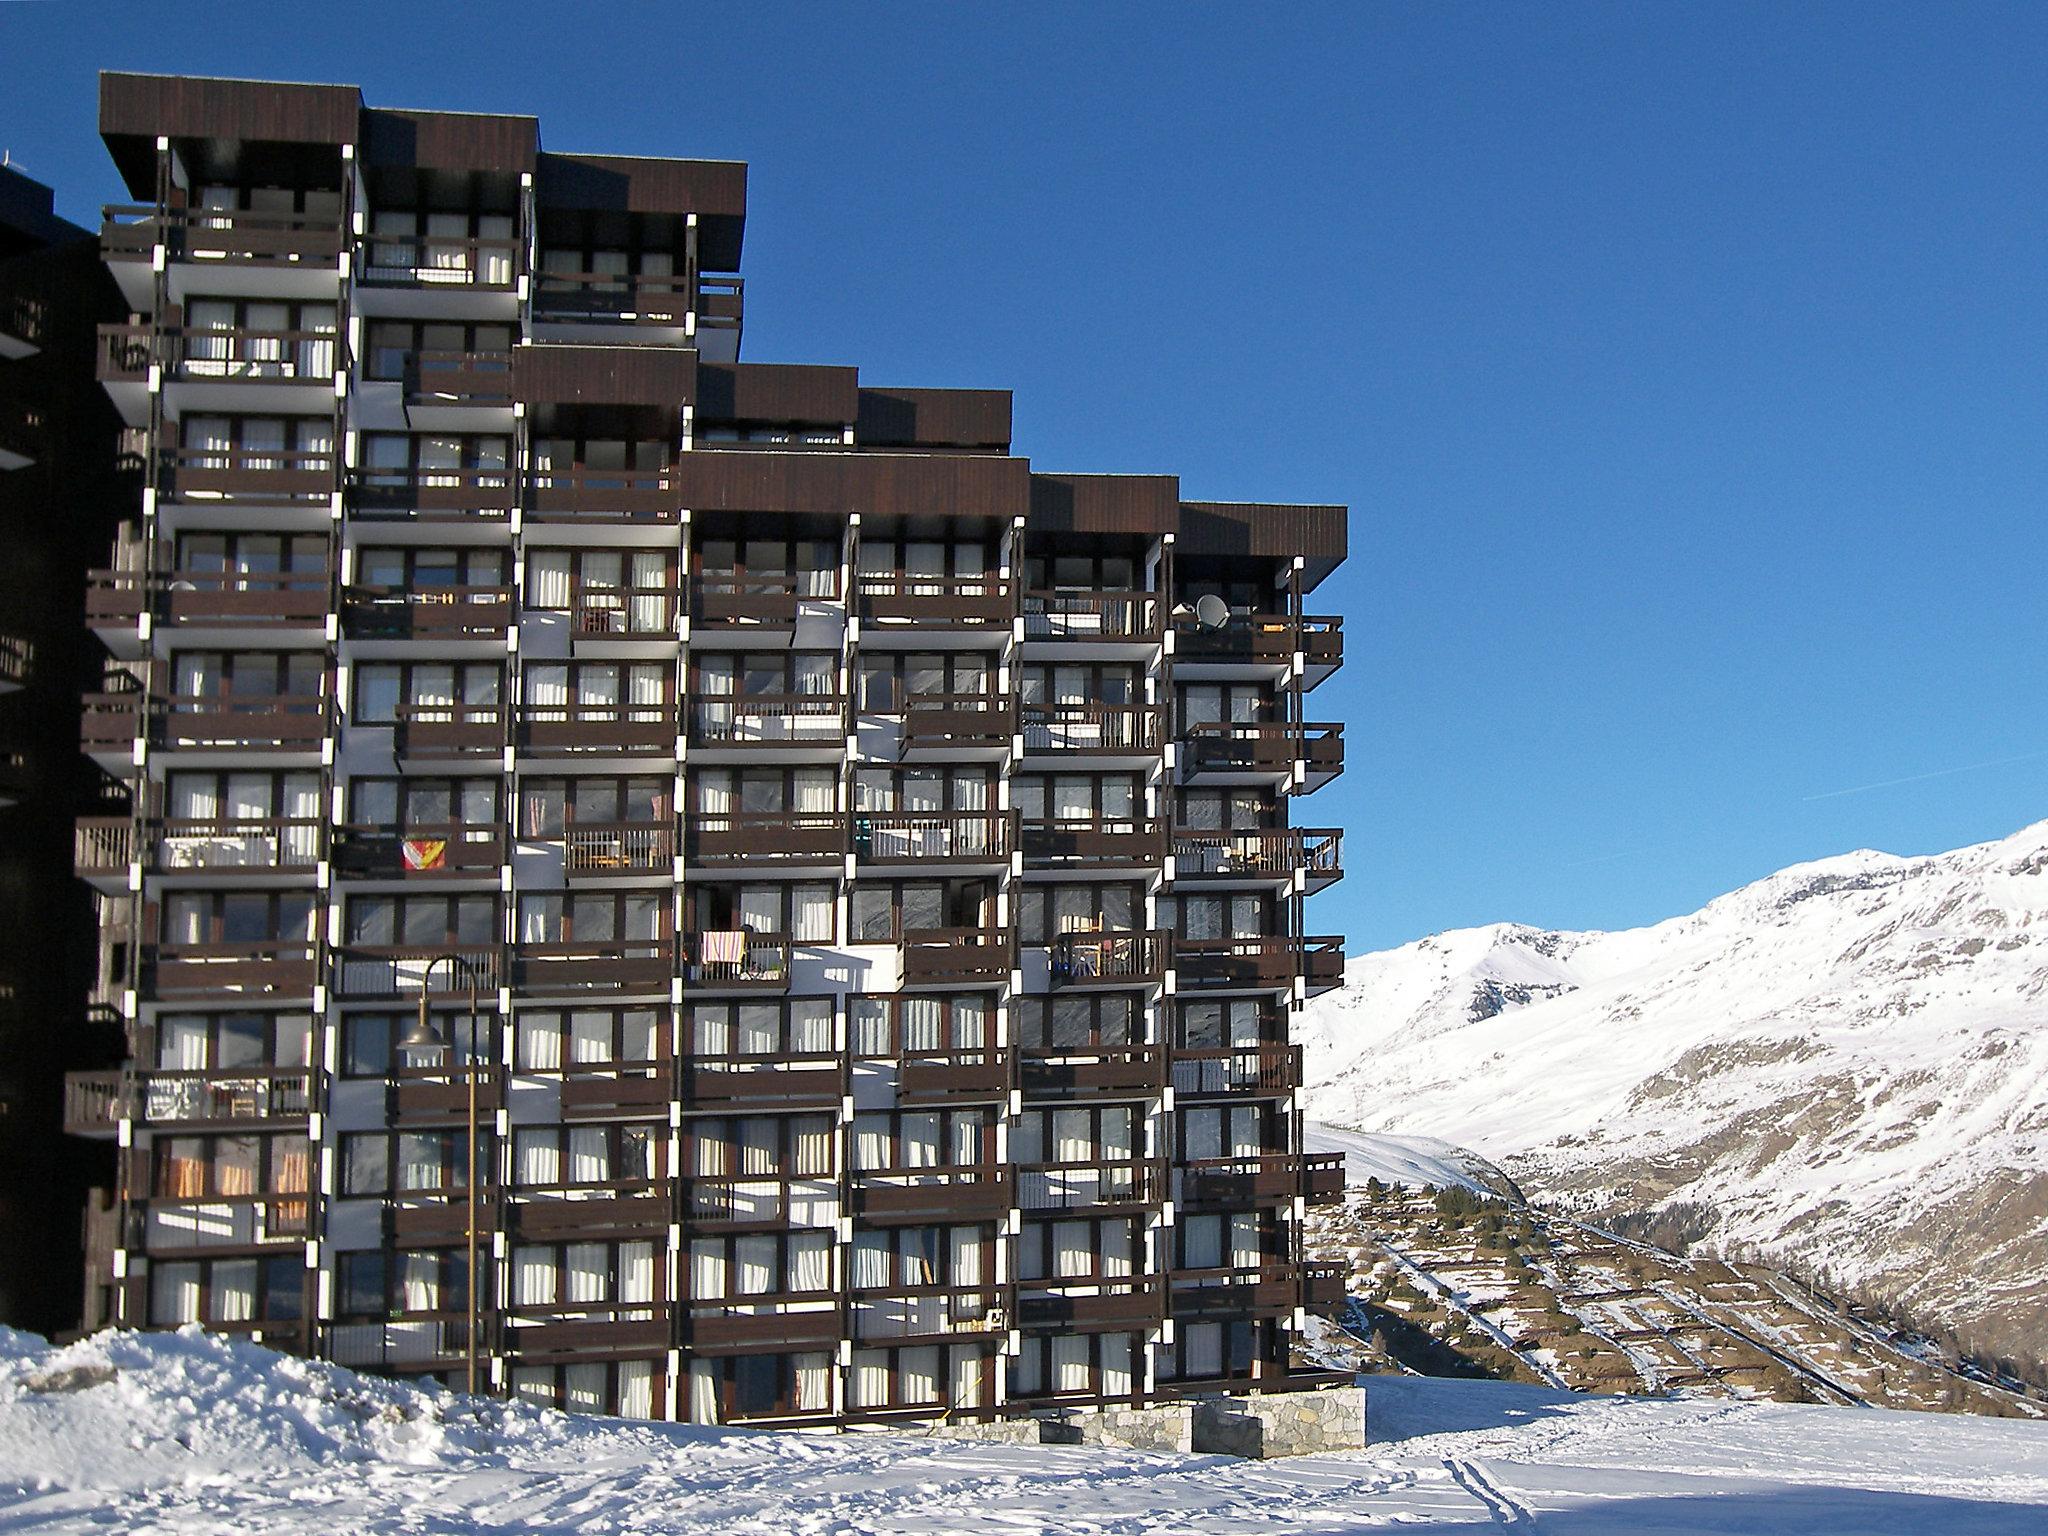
1844 1065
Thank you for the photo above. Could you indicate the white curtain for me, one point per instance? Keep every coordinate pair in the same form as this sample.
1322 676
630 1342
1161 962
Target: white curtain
917 1371
703 1392
1072 1135
1115 1240
419 1282
173 1294
1070 1362
967 1256
533 1277
589 1155
711 1030
810 1261
760 1029
754 1257
707 1269
1073 1247
813 1383
1201 1242
870 1378
1119 1125
813 912
540 1041
547 579
587 1271
1244 1240
234 1290
810 1025
539 1159
636 1389
583 1388
590 1036
636 1272
547 686
181 1042
919 1133
965 1389
1202 1353
873 1260
1116 1364
871 1141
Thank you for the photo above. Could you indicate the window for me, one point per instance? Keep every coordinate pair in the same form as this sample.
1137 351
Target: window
1085 1021
548 805
1240 915
621 1387
568 1275
1080 1249
889 1027
200 678
430 570
922 1139
238 917
760 1146
1078 796
552 1157
761 1265
1111 685
590 918
1215 1024
395 345
269 443
374 1285
942 566
386 692
1227 810
912 1258
807 911
223 1291
1075 1365
761 1031
884 910
889 679
1208 1133
596 691
724 792
1214 1240
1219 703
202 1167
219 1042
762 566
400 461
923 791
1082 572
548 1040
468 807
1046 911
418 922
1097 1133
303 557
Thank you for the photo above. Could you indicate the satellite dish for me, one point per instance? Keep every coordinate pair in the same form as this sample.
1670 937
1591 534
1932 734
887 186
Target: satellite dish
1211 612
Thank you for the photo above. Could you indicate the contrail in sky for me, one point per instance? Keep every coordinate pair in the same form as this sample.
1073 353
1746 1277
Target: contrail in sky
1920 778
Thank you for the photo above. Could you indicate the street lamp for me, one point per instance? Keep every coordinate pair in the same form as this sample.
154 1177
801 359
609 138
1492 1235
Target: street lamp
424 1036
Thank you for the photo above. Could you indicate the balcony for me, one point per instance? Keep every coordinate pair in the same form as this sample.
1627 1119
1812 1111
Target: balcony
1266 750
283 722
904 1314
738 960
1229 1071
24 323
222 367
441 1092
453 850
932 837
1261 640
579 494
190 600
224 1221
450 389
765 1323
924 604
437 615
1261 963
395 970
582 728
232 236
1108 1186
236 970
1121 843
624 1208
240 1098
1096 958
102 848
617 1090
419 1341
1259 856
243 476
450 733
615 298
758 1202
1261 1291
766 721
110 723
1061 1073
583 1331
1261 1177
792 1079
621 965
957 956
917 1195
947 724
1092 730
432 495
438 261
277 844
721 311
953 1077
760 599
610 850
1125 618
1323 1286
753 837
1092 1304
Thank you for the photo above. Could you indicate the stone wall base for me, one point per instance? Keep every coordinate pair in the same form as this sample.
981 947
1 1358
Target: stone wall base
1264 1425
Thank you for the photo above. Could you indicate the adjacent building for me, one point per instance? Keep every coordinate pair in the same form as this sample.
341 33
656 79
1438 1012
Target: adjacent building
853 879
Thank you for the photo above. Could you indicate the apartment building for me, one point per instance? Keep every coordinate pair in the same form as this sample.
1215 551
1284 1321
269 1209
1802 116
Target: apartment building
61 492
688 888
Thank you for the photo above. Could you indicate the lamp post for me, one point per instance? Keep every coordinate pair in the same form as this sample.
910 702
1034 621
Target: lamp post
423 1036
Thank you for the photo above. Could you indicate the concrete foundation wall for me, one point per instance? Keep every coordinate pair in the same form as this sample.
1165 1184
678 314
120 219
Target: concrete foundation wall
1273 1424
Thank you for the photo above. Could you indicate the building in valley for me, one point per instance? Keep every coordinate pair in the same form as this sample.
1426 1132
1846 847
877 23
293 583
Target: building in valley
872 862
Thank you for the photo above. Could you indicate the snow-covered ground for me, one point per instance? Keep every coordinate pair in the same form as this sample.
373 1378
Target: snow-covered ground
1413 1162
1843 1067
186 1434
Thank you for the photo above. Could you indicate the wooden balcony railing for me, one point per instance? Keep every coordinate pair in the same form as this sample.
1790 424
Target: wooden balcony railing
422 850
737 958
1093 729
583 727
717 837
1092 1185
1261 1290
458 379
760 597
581 1330
787 1078
1324 1285
937 602
947 1077
281 966
112 721
126 353
1263 1176
223 234
1271 852
248 476
96 1102
1088 1303
426 613
610 848
771 1320
286 721
1121 616
1266 639
721 301
1111 840
432 495
268 598
957 1192
438 261
638 298
582 494
896 1313
392 970
1267 961
623 613
903 837
951 721
1112 958
231 353
440 732
626 964
1060 1072
769 720
257 843
103 845
418 1341
598 1091
1244 1069
966 956
620 1208
439 1091
1321 639
751 1201
236 1096
24 316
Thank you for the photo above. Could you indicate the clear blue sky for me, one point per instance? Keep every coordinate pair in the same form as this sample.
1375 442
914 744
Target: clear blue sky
1684 367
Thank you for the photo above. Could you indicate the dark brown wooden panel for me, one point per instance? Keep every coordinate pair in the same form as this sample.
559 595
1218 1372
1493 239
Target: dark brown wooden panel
776 392
873 484
451 141
1261 529
934 418
714 190
570 375
1104 503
